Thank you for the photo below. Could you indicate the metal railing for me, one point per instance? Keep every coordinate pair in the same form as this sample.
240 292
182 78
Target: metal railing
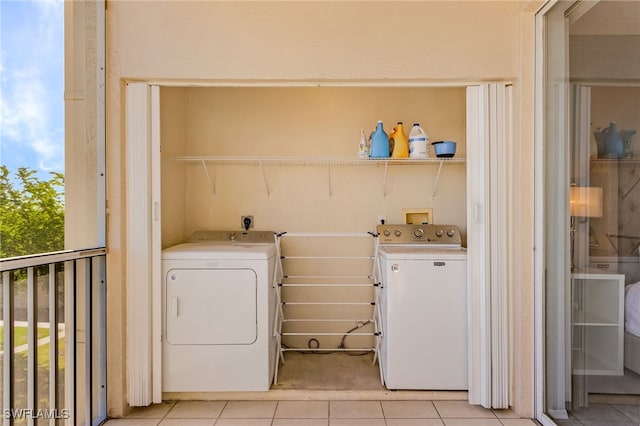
53 338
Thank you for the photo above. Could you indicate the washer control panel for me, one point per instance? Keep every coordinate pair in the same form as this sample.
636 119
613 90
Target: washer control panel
419 234
251 237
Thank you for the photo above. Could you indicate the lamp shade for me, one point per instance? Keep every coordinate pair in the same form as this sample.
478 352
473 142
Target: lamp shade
586 201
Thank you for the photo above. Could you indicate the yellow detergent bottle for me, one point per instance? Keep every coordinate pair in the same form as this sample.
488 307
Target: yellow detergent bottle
401 144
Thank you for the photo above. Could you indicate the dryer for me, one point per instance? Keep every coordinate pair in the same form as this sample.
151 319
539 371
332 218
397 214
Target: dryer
219 304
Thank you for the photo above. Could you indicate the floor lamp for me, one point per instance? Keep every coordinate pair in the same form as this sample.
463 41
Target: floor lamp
585 201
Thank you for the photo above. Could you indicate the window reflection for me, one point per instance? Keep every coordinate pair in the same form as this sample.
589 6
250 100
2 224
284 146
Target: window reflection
604 52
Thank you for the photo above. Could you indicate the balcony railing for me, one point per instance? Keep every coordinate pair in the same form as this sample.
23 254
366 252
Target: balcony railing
53 339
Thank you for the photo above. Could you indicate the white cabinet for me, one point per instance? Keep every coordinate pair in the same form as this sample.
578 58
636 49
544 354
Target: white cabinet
597 320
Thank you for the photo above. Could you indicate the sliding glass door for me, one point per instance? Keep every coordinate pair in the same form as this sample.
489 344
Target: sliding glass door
588 217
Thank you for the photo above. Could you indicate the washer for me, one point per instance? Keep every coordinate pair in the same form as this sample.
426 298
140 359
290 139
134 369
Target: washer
219 304
423 307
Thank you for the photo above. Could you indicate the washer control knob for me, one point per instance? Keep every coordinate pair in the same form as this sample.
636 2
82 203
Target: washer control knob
398 232
418 232
386 232
233 236
439 233
451 233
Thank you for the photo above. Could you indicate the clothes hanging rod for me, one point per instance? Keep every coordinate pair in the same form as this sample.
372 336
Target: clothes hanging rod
327 320
327 350
326 234
328 303
367 277
331 334
329 285
330 257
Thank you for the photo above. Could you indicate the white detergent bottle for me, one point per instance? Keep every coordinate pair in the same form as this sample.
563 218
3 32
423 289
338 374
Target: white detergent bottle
418 143
363 150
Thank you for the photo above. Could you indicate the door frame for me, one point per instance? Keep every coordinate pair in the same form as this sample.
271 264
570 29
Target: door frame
488 222
552 164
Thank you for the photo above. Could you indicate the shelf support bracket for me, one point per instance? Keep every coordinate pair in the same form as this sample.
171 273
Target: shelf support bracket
329 175
264 178
384 187
212 184
435 183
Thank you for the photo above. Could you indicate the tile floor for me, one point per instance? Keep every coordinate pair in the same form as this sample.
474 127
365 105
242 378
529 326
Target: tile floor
604 414
318 413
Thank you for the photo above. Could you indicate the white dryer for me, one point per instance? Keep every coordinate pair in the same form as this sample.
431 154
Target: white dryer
219 303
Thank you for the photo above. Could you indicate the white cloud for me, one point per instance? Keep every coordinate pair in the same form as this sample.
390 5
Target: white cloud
26 120
31 105
22 113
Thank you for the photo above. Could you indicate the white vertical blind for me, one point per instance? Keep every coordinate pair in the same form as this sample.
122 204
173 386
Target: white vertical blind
156 247
488 144
478 247
500 151
139 272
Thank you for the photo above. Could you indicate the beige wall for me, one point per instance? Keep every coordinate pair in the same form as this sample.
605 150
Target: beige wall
443 42
433 40
310 123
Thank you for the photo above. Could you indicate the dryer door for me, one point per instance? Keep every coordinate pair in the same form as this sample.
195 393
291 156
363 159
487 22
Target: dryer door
211 306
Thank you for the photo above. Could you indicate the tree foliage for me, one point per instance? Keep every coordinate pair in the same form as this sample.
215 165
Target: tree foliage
31 213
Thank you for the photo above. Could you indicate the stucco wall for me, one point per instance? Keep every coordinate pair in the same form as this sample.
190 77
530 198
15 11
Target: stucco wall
452 42
308 123
434 40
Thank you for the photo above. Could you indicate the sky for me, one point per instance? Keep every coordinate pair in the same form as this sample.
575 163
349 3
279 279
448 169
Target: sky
32 85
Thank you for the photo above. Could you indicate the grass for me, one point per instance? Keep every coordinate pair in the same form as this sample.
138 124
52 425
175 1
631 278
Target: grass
20 335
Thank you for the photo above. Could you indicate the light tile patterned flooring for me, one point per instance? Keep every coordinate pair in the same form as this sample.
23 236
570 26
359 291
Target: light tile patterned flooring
318 413
625 413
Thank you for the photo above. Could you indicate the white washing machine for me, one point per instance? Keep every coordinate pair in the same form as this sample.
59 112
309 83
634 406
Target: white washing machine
219 303
423 307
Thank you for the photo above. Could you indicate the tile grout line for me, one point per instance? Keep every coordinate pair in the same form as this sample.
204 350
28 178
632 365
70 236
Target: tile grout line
225 403
615 407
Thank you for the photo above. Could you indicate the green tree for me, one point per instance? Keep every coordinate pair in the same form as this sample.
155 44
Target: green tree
31 213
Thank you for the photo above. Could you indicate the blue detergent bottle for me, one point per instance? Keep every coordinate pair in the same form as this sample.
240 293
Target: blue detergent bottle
379 143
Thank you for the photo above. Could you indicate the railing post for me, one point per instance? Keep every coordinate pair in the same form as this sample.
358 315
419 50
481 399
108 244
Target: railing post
32 344
7 348
99 339
53 341
88 341
70 339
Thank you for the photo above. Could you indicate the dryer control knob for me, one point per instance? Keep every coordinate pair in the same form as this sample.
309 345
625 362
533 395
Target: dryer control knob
451 233
418 232
386 232
398 232
233 236
439 233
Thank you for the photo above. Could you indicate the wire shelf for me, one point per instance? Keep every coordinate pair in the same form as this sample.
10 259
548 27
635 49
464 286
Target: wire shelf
310 161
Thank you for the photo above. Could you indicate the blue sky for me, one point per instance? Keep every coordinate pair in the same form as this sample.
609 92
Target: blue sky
32 85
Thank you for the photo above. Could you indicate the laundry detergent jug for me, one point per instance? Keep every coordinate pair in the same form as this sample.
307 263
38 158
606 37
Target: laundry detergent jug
379 143
400 142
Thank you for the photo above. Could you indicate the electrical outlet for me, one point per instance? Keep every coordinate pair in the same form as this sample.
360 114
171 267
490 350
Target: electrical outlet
382 219
246 222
